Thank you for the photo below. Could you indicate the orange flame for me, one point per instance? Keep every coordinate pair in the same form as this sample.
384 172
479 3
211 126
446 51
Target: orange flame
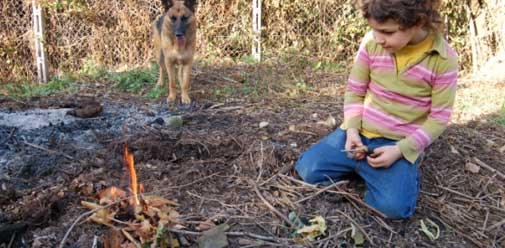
128 158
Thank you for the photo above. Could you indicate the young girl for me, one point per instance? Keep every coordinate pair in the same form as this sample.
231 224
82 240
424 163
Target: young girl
398 100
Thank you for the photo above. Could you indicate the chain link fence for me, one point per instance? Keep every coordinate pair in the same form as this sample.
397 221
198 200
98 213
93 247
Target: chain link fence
16 40
117 33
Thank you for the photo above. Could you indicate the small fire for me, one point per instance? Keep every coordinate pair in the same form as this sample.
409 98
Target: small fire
142 214
129 162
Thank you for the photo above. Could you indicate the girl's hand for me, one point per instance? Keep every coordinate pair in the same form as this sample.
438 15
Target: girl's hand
352 141
385 156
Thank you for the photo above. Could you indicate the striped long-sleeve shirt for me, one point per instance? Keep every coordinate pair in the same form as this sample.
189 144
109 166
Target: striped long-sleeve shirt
413 105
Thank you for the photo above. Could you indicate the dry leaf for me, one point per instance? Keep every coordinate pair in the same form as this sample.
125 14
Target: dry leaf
157 201
357 235
90 205
129 237
111 194
112 239
145 230
329 122
426 229
206 225
316 229
292 128
102 216
454 150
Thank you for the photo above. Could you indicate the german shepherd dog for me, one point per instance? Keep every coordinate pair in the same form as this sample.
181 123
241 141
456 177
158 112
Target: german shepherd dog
174 44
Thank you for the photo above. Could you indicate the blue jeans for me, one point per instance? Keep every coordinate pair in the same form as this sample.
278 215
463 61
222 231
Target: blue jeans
393 190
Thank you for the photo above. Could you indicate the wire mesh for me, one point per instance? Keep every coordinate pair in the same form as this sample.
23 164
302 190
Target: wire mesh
16 59
117 33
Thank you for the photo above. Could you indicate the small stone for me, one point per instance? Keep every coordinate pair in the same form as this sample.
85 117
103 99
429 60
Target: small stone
175 121
263 124
471 167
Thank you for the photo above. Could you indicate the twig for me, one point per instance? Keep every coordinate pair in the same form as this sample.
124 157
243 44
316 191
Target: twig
215 200
260 164
275 211
62 243
129 237
322 190
247 234
456 192
95 242
496 225
194 141
12 240
253 235
281 171
383 224
9 136
488 167
457 230
356 224
362 203
334 235
188 184
48 150
347 195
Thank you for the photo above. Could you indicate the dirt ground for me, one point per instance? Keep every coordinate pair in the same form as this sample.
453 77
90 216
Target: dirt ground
221 167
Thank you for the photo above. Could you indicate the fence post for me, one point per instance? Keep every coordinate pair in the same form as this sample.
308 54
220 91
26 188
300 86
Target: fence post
38 32
256 42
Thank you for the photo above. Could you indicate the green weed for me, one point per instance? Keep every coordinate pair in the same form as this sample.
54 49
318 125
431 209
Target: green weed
57 84
225 91
134 81
500 118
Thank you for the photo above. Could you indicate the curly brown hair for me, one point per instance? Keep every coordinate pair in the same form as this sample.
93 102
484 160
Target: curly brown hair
407 13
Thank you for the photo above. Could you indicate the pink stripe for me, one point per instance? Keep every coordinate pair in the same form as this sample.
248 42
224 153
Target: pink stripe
446 78
420 73
357 86
388 121
382 58
421 102
382 61
384 123
422 139
443 114
351 110
363 56
450 51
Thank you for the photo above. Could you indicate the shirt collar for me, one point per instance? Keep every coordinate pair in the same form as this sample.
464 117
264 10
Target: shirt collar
439 46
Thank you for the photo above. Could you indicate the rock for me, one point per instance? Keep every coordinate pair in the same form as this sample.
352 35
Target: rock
175 121
87 110
263 124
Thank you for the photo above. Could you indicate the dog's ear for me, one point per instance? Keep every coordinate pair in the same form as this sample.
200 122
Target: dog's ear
191 4
167 4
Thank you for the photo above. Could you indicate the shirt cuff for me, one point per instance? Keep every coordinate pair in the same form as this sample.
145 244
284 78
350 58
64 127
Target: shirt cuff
409 150
351 123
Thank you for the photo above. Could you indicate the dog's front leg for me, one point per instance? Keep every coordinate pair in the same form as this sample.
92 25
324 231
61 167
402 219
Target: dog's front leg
186 83
161 78
172 86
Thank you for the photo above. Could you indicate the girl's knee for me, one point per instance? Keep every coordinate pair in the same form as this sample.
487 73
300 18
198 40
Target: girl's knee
394 207
306 169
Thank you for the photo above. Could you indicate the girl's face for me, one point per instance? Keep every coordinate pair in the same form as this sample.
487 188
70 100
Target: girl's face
392 37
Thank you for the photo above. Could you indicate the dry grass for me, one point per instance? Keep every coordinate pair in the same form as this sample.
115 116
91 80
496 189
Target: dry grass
481 94
116 34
